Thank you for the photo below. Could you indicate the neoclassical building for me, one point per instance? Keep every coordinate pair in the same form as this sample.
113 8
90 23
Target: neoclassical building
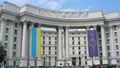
64 40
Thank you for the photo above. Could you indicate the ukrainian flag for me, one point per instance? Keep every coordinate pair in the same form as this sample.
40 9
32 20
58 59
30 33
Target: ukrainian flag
36 42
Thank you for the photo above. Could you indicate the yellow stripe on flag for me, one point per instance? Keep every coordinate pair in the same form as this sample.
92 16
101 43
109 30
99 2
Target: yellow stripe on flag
38 42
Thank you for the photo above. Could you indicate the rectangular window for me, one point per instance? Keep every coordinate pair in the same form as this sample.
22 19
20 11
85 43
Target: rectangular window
7 30
6 38
117 47
43 42
49 38
49 48
107 35
73 52
14 46
115 34
14 54
15 32
72 38
49 42
16 25
72 48
109 54
78 42
108 41
15 39
72 42
6 45
43 37
117 53
116 40
55 38
108 47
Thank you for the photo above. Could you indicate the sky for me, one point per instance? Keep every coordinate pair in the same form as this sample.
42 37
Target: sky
72 5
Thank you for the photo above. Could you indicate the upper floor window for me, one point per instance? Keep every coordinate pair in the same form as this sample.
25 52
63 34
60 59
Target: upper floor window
115 34
6 37
115 27
16 25
7 30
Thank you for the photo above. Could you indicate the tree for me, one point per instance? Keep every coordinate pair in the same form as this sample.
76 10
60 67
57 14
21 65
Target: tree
2 53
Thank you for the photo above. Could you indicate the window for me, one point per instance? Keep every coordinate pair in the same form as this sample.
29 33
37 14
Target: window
108 41
108 47
79 52
7 30
43 42
55 52
73 42
73 52
100 48
114 27
43 47
55 48
107 28
55 38
14 54
49 38
6 45
16 25
72 48
49 52
84 38
43 37
49 48
79 42
49 42
116 40
79 47
117 53
84 42
99 35
15 39
55 42
115 34
6 38
117 47
15 32
43 52
109 54
78 38
14 46
72 38
85 52
107 35
14 62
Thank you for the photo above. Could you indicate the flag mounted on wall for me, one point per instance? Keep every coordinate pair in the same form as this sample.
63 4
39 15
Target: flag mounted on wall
36 42
92 43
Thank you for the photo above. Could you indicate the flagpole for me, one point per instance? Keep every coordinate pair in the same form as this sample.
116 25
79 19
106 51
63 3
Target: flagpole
35 61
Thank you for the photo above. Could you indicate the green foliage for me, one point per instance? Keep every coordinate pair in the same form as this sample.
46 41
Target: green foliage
2 53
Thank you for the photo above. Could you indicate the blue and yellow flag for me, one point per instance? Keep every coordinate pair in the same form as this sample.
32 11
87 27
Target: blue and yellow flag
36 42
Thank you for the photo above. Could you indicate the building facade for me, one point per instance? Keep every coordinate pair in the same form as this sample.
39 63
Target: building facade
64 40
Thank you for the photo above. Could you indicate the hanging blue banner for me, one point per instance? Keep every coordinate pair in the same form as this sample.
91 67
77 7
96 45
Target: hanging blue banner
92 43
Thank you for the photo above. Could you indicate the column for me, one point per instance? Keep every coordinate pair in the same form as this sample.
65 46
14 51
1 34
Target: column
96 60
11 41
60 61
113 60
66 40
2 30
24 45
104 53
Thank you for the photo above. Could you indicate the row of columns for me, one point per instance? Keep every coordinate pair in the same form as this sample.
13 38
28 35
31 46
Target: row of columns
60 60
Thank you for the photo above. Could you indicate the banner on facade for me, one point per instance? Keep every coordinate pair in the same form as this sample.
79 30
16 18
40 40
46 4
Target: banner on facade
36 42
92 43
